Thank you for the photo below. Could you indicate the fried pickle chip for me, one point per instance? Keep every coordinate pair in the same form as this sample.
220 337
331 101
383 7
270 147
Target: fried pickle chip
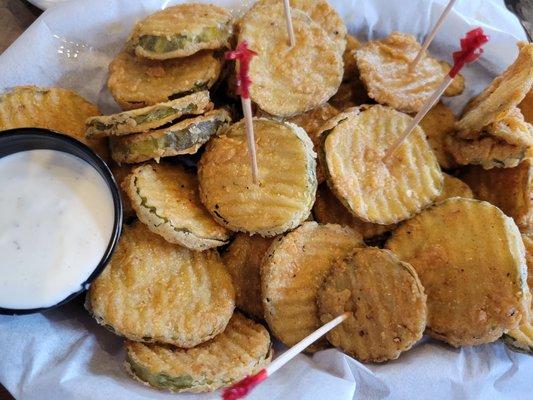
120 173
181 30
486 151
292 272
438 124
147 118
286 192
243 349
328 210
454 187
526 106
383 66
184 137
165 198
521 338
324 15
509 189
136 83
386 301
311 122
382 193
243 260
289 80
52 108
501 96
470 258
156 291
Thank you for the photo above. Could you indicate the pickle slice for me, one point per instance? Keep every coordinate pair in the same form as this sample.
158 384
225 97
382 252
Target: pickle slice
136 82
146 118
185 137
181 31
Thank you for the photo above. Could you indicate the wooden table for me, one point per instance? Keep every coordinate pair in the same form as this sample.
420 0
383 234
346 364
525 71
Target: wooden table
15 17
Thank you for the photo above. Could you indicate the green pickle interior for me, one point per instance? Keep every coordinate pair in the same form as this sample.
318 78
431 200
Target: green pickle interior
166 44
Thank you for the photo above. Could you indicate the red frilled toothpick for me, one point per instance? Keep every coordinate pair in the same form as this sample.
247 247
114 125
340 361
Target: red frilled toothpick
244 55
244 387
470 51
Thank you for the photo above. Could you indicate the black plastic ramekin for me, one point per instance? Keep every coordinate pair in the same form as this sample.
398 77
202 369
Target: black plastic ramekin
23 139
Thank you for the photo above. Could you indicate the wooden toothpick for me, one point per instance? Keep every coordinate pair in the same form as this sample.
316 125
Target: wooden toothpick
288 20
470 51
431 36
244 55
245 386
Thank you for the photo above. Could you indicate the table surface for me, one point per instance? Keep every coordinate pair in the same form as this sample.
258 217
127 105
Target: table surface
15 17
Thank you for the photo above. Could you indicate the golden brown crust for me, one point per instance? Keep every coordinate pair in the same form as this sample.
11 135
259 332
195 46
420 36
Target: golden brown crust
136 83
287 180
51 108
288 81
438 124
153 290
501 96
386 301
351 72
374 191
383 65
165 198
120 173
292 272
526 106
181 30
509 189
470 258
329 210
454 187
243 349
243 260
325 16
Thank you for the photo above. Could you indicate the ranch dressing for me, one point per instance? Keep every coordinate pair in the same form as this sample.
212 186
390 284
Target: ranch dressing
56 220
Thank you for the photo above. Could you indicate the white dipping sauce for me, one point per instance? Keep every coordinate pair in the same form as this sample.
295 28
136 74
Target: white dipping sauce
56 220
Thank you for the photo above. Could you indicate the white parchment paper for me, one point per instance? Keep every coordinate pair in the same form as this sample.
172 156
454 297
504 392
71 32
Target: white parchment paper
64 355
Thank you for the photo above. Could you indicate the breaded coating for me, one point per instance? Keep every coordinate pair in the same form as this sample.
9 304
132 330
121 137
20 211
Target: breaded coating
509 189
243 260
384 68
438 124
166 199
470 259
454 187
182 30
135 82
289 80
324 15
53 108
329 210
374 191
156 291
287 181
386 301
292 272
243 349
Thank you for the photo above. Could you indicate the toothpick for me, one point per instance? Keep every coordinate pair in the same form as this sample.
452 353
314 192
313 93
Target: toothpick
244 55
247 111
431 36
288 20
419 116
470 51
245 386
